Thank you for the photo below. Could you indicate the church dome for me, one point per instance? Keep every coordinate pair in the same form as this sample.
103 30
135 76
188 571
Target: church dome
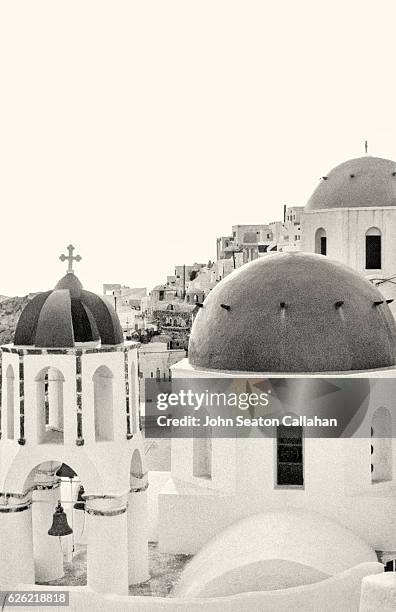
293 312
362 182
66 315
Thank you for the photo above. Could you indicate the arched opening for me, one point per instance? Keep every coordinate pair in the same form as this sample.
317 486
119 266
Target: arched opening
136 470
60 558
10 402
321 241
103 404
373 249
381 446
49 393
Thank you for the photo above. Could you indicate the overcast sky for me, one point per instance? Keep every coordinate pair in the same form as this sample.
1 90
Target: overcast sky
140 131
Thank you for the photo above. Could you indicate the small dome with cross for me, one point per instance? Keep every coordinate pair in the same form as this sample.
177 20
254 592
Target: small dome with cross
362 182
68 315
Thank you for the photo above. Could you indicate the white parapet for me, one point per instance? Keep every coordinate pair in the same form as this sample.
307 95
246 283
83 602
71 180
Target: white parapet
378 593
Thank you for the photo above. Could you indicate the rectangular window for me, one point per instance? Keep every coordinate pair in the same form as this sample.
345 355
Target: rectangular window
289 454
373 252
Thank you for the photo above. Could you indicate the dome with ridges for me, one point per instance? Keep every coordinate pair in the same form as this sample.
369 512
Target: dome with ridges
67 315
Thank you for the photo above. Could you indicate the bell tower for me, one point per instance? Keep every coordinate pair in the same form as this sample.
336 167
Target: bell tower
70 398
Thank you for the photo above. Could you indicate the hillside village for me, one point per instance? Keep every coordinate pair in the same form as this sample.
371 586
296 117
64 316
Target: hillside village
161 319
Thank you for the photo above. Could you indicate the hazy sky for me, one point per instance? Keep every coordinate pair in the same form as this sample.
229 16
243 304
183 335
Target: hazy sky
140 131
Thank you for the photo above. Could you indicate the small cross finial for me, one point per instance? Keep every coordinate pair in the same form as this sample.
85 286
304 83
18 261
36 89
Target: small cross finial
366 146
70 258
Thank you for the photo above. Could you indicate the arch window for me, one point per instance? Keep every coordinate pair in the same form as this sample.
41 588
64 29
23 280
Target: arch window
50 418
10 402
321 241
373 249
381 446
136 474
136 468
103 404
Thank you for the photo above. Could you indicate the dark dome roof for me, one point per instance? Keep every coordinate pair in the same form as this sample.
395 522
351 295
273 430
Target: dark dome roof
365 181
67 315
293 312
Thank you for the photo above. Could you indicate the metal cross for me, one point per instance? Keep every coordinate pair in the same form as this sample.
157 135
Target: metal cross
366 146
70 258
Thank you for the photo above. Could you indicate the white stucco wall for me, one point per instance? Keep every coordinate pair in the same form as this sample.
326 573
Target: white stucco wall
337 480
341 593
346 230
272 550
103 466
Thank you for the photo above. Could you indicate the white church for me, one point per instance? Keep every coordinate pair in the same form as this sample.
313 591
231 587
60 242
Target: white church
351 217
287 522
323 506
251 519
70 402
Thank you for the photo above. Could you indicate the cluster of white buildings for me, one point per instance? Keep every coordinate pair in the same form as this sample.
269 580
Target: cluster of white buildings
285 521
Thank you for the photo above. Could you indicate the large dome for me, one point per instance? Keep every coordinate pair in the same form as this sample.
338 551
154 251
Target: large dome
293 312
362 182
66 315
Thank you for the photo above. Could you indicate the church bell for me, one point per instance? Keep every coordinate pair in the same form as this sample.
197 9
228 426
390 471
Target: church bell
80 503
65 471
60 526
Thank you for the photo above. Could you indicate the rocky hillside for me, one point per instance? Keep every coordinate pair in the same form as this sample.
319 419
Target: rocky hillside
10 310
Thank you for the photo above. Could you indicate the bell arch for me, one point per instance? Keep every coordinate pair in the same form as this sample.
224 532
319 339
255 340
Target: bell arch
54 484
21 474
321 241
103 404
373 248
49 406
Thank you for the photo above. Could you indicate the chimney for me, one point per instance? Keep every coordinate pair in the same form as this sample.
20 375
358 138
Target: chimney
284 213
